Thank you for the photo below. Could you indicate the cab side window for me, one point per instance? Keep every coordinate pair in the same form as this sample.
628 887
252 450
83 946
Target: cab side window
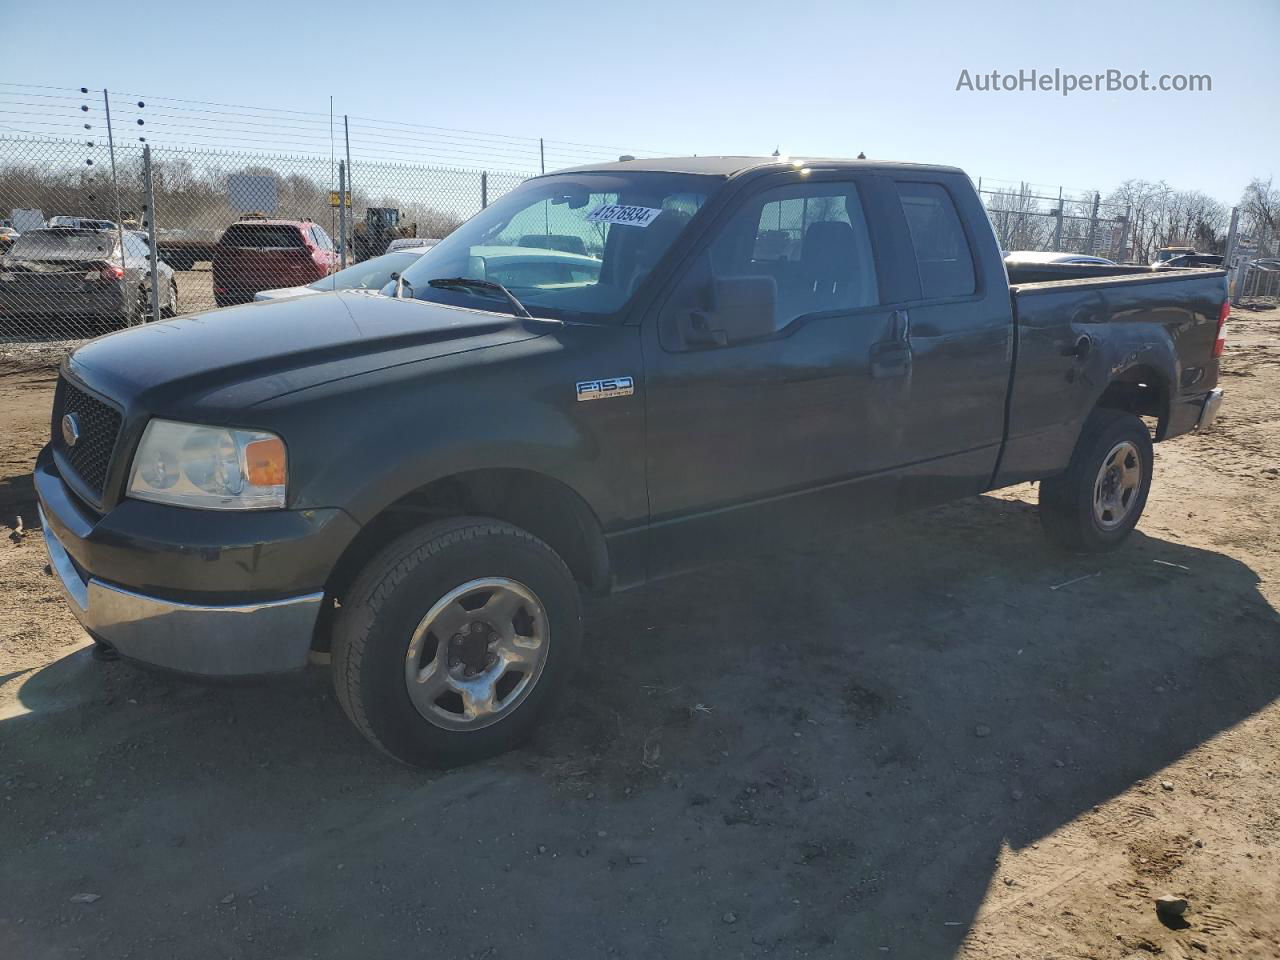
135 247
787 252
942 251
811 239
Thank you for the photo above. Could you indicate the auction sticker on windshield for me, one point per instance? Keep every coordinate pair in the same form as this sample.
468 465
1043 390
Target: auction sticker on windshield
624 214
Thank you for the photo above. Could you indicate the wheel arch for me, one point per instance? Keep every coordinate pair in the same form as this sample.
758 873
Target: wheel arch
546 507
1142 388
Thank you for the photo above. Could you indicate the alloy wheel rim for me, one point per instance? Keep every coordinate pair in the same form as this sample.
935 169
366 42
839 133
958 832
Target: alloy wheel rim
477 654
1115 490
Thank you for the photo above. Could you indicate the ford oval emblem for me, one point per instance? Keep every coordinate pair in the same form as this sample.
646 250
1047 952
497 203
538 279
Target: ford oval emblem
70 429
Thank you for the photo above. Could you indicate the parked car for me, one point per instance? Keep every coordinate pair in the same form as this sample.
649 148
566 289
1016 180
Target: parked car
527 267
368 275
1212 261
420 485
1042 256
411 243
76 272
82 223
259 254
7 236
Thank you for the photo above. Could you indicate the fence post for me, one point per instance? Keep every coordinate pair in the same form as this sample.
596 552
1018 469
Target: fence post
1124 234
1231 237
149 208
1093 224
484 189
342 212
1057 227
115 190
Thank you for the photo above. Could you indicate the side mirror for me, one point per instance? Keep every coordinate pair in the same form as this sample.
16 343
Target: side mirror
476 268
743 308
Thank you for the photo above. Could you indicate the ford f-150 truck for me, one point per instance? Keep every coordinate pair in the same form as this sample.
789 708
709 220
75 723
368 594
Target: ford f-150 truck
416 485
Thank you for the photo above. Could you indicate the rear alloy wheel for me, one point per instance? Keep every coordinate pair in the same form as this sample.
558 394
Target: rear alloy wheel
1097 502
454 641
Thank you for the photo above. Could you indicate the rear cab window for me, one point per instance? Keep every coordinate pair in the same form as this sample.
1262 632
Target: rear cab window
943 256
263 236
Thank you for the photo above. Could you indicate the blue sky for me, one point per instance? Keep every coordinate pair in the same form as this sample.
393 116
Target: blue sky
714 77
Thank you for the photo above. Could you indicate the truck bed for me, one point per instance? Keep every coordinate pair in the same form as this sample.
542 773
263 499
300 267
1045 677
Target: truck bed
1022 273
1090 326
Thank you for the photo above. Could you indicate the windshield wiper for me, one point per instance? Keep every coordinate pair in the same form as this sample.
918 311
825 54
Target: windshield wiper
463 283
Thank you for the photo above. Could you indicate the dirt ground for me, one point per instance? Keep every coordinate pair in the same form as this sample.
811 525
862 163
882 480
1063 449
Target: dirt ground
937 738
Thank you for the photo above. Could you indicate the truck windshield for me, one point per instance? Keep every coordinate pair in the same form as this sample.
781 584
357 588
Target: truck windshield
569 246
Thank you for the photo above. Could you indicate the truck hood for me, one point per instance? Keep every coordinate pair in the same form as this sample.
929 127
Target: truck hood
240 356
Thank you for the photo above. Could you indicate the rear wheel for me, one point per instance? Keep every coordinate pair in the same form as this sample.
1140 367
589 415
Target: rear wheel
171 308
1097 502
453 642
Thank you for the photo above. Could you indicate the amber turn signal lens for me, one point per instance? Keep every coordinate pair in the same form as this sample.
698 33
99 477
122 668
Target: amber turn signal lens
264 462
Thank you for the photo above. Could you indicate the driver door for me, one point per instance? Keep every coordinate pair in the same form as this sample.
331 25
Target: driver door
776 436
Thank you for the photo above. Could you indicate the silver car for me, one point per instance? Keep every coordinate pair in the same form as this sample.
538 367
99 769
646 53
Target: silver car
372 274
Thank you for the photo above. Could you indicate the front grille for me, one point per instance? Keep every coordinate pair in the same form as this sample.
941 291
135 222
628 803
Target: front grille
99 426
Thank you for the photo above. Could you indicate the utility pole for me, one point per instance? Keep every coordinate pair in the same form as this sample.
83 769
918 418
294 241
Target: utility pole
542 156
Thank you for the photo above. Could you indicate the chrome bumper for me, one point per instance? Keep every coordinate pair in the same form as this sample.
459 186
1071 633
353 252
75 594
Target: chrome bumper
1209 412
215 641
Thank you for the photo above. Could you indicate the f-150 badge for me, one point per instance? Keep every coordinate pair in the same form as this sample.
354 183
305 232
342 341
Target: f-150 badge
608 387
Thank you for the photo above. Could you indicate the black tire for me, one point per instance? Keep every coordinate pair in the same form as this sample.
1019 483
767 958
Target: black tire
167 312
1067 502
391 597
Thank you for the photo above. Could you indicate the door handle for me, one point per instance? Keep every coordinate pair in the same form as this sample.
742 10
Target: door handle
900 326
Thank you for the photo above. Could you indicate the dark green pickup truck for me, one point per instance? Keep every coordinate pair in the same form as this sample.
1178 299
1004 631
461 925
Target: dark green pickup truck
421 482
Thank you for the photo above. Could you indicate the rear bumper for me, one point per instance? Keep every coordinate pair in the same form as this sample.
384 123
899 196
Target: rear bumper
1209 411
107 302
1193 413
217 641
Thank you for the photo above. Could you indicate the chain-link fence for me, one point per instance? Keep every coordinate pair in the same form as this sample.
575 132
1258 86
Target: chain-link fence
1026 217
81 227
85 231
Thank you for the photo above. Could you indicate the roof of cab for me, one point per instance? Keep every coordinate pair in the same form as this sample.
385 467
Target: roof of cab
733 166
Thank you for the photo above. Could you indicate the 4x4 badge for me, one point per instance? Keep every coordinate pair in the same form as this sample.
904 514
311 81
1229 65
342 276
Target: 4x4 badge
608 387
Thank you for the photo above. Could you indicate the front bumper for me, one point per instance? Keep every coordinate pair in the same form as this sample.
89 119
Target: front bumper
196 591
268 637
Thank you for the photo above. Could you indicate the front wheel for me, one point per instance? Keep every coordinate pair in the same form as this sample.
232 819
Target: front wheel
1096 503
453 642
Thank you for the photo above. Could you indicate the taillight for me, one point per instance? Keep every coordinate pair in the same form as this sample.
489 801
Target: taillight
1220 343
109 271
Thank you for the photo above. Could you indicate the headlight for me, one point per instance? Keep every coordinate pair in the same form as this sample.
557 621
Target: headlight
212 468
